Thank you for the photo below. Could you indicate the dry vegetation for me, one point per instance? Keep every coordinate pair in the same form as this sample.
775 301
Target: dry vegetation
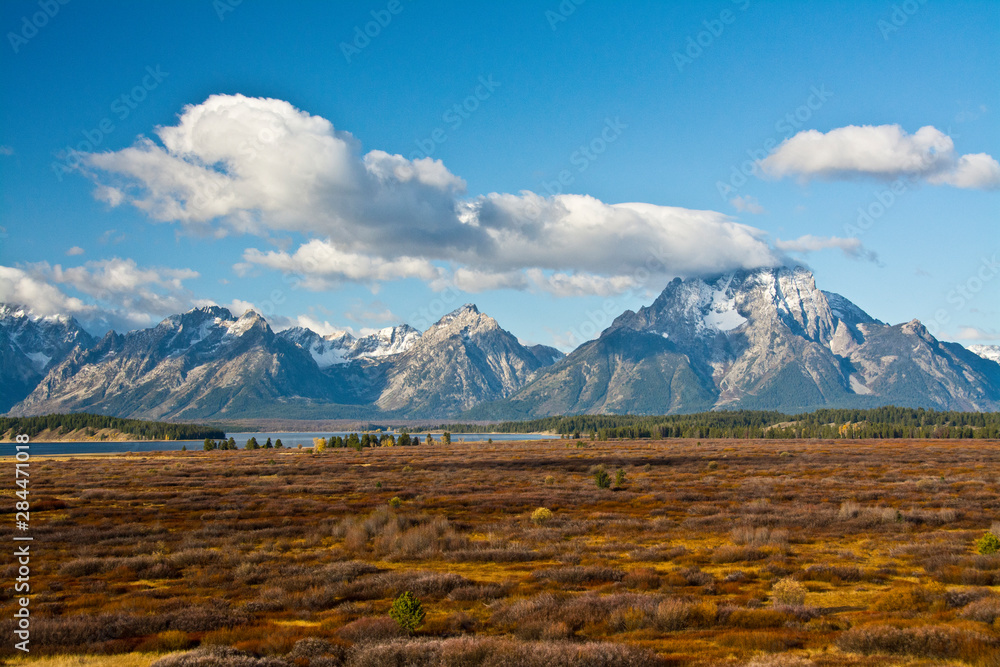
761 553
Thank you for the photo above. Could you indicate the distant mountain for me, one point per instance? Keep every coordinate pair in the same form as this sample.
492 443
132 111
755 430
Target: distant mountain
204 363
763 339
766 339
342 348
991 352
30 346
208 364
463 360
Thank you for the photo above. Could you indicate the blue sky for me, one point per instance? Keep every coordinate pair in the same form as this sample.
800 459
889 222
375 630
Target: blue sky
653 103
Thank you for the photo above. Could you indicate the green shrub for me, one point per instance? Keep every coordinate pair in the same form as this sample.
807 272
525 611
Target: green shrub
620 478
395 502
988 544
407 612
602 478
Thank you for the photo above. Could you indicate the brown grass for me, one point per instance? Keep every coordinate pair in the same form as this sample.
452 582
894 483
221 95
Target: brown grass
847 552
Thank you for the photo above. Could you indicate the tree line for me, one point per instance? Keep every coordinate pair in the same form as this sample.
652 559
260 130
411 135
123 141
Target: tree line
888 422
351 441
90 424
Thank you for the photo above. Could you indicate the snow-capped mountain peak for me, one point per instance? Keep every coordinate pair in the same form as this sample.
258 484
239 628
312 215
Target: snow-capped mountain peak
991 352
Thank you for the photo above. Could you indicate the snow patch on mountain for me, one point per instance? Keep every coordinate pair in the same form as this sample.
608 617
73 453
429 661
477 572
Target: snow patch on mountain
990 352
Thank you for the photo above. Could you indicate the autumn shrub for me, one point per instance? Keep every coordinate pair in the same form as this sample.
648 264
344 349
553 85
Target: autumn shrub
759 536
642 578
757 641
984 610
314 648
754 619
789 592
170 640
780 660
928 641
479 592
833 573
492 651
731 553
368 630
904 598
579 574
673 615
218 656
541 516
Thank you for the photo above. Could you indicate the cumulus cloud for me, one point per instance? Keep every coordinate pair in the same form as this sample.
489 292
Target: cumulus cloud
235 164
883 151
75 250
851 247
17 286
122 295
322 265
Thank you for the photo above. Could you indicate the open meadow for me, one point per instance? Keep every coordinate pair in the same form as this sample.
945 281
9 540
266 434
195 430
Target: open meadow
782 552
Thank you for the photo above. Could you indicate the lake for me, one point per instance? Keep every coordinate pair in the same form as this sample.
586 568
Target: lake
289 440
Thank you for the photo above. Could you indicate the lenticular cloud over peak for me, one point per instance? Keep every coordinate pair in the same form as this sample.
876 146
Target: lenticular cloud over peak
236 164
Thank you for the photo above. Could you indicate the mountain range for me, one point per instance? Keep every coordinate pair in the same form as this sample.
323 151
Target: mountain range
760 339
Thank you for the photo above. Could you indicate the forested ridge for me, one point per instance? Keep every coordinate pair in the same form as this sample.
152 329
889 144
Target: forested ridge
139 429
884 422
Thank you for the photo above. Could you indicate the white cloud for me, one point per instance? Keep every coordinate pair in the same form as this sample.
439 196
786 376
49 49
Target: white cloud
75 250
973 333
851 247
6 150
322 265
122 295
261 166
882 151
977 171
17 286
748 204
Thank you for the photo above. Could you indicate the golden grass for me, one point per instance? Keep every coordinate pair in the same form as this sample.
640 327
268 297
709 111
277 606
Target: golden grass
148 537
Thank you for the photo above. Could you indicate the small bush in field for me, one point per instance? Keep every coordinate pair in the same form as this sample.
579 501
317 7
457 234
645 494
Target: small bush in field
367 630
549 480
407 612
602 478
789 592
541 516
988 544
909 598
395 502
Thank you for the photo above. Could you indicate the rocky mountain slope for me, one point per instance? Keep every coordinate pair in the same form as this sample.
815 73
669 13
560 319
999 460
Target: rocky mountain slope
208 364
204 363
463 360
30 346
764 339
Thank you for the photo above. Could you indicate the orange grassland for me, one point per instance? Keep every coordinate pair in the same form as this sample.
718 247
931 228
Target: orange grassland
715 552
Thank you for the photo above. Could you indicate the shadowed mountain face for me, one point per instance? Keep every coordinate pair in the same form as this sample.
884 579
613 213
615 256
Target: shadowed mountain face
764 339
30 346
